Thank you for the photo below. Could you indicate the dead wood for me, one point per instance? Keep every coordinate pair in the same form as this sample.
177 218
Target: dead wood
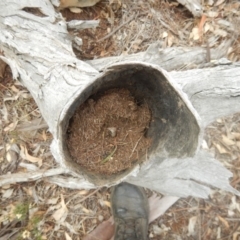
39 51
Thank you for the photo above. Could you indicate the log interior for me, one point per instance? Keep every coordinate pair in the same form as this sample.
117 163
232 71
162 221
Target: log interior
174 129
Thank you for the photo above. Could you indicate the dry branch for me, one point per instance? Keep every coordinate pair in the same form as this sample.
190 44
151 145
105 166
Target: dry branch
29 176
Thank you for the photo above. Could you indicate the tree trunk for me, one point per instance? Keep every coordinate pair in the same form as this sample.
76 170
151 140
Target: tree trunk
39 51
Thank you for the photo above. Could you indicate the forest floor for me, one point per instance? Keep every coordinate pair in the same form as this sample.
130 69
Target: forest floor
43 210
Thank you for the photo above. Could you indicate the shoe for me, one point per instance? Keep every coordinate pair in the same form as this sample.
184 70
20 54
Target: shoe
130 211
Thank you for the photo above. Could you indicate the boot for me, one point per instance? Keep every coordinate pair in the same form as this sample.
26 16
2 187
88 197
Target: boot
130 212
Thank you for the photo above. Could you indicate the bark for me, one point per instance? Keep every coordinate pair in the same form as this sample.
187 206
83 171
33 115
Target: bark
39 51
214 92
194 6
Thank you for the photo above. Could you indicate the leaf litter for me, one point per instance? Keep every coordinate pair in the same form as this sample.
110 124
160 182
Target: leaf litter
190 218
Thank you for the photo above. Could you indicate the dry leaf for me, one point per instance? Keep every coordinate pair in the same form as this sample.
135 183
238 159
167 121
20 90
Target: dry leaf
107 203
159 206
67 237
102 54
207 27
191 226
14 89
24 154
236 235
7 193
71 228
231 213
227 141
236 135
10 127
170 40
52 200
104 203
219 2
220 148
164 35
234 205
220 32
225 223
77 3
85 210
226 24
12 152
15 97
157 230
75 10
11 156
44 135
212 14
210 2
238 144
61 214
83 192
4 112
195 34
218 233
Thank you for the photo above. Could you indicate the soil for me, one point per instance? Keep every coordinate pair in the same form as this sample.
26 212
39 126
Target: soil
107 133
91 48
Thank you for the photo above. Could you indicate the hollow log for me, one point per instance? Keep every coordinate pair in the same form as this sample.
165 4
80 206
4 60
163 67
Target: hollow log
38 49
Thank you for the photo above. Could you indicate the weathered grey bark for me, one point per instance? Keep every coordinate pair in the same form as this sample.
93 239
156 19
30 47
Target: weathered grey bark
39 52
174 58
214 92
194 6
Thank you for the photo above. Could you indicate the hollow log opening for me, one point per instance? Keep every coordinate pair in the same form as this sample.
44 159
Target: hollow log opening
128 114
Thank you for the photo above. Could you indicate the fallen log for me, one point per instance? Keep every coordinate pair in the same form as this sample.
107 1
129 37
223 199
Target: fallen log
39 51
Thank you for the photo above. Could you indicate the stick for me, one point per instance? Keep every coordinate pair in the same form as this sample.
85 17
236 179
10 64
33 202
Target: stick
135 146
109 156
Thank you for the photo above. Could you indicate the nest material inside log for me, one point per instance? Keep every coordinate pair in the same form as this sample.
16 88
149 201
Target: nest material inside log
107 134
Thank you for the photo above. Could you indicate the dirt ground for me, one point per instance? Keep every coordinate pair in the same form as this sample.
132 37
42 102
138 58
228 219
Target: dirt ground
43 210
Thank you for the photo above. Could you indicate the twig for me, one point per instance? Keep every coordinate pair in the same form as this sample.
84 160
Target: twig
168 27
109 156
30 176
135 146
89 195
116 29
